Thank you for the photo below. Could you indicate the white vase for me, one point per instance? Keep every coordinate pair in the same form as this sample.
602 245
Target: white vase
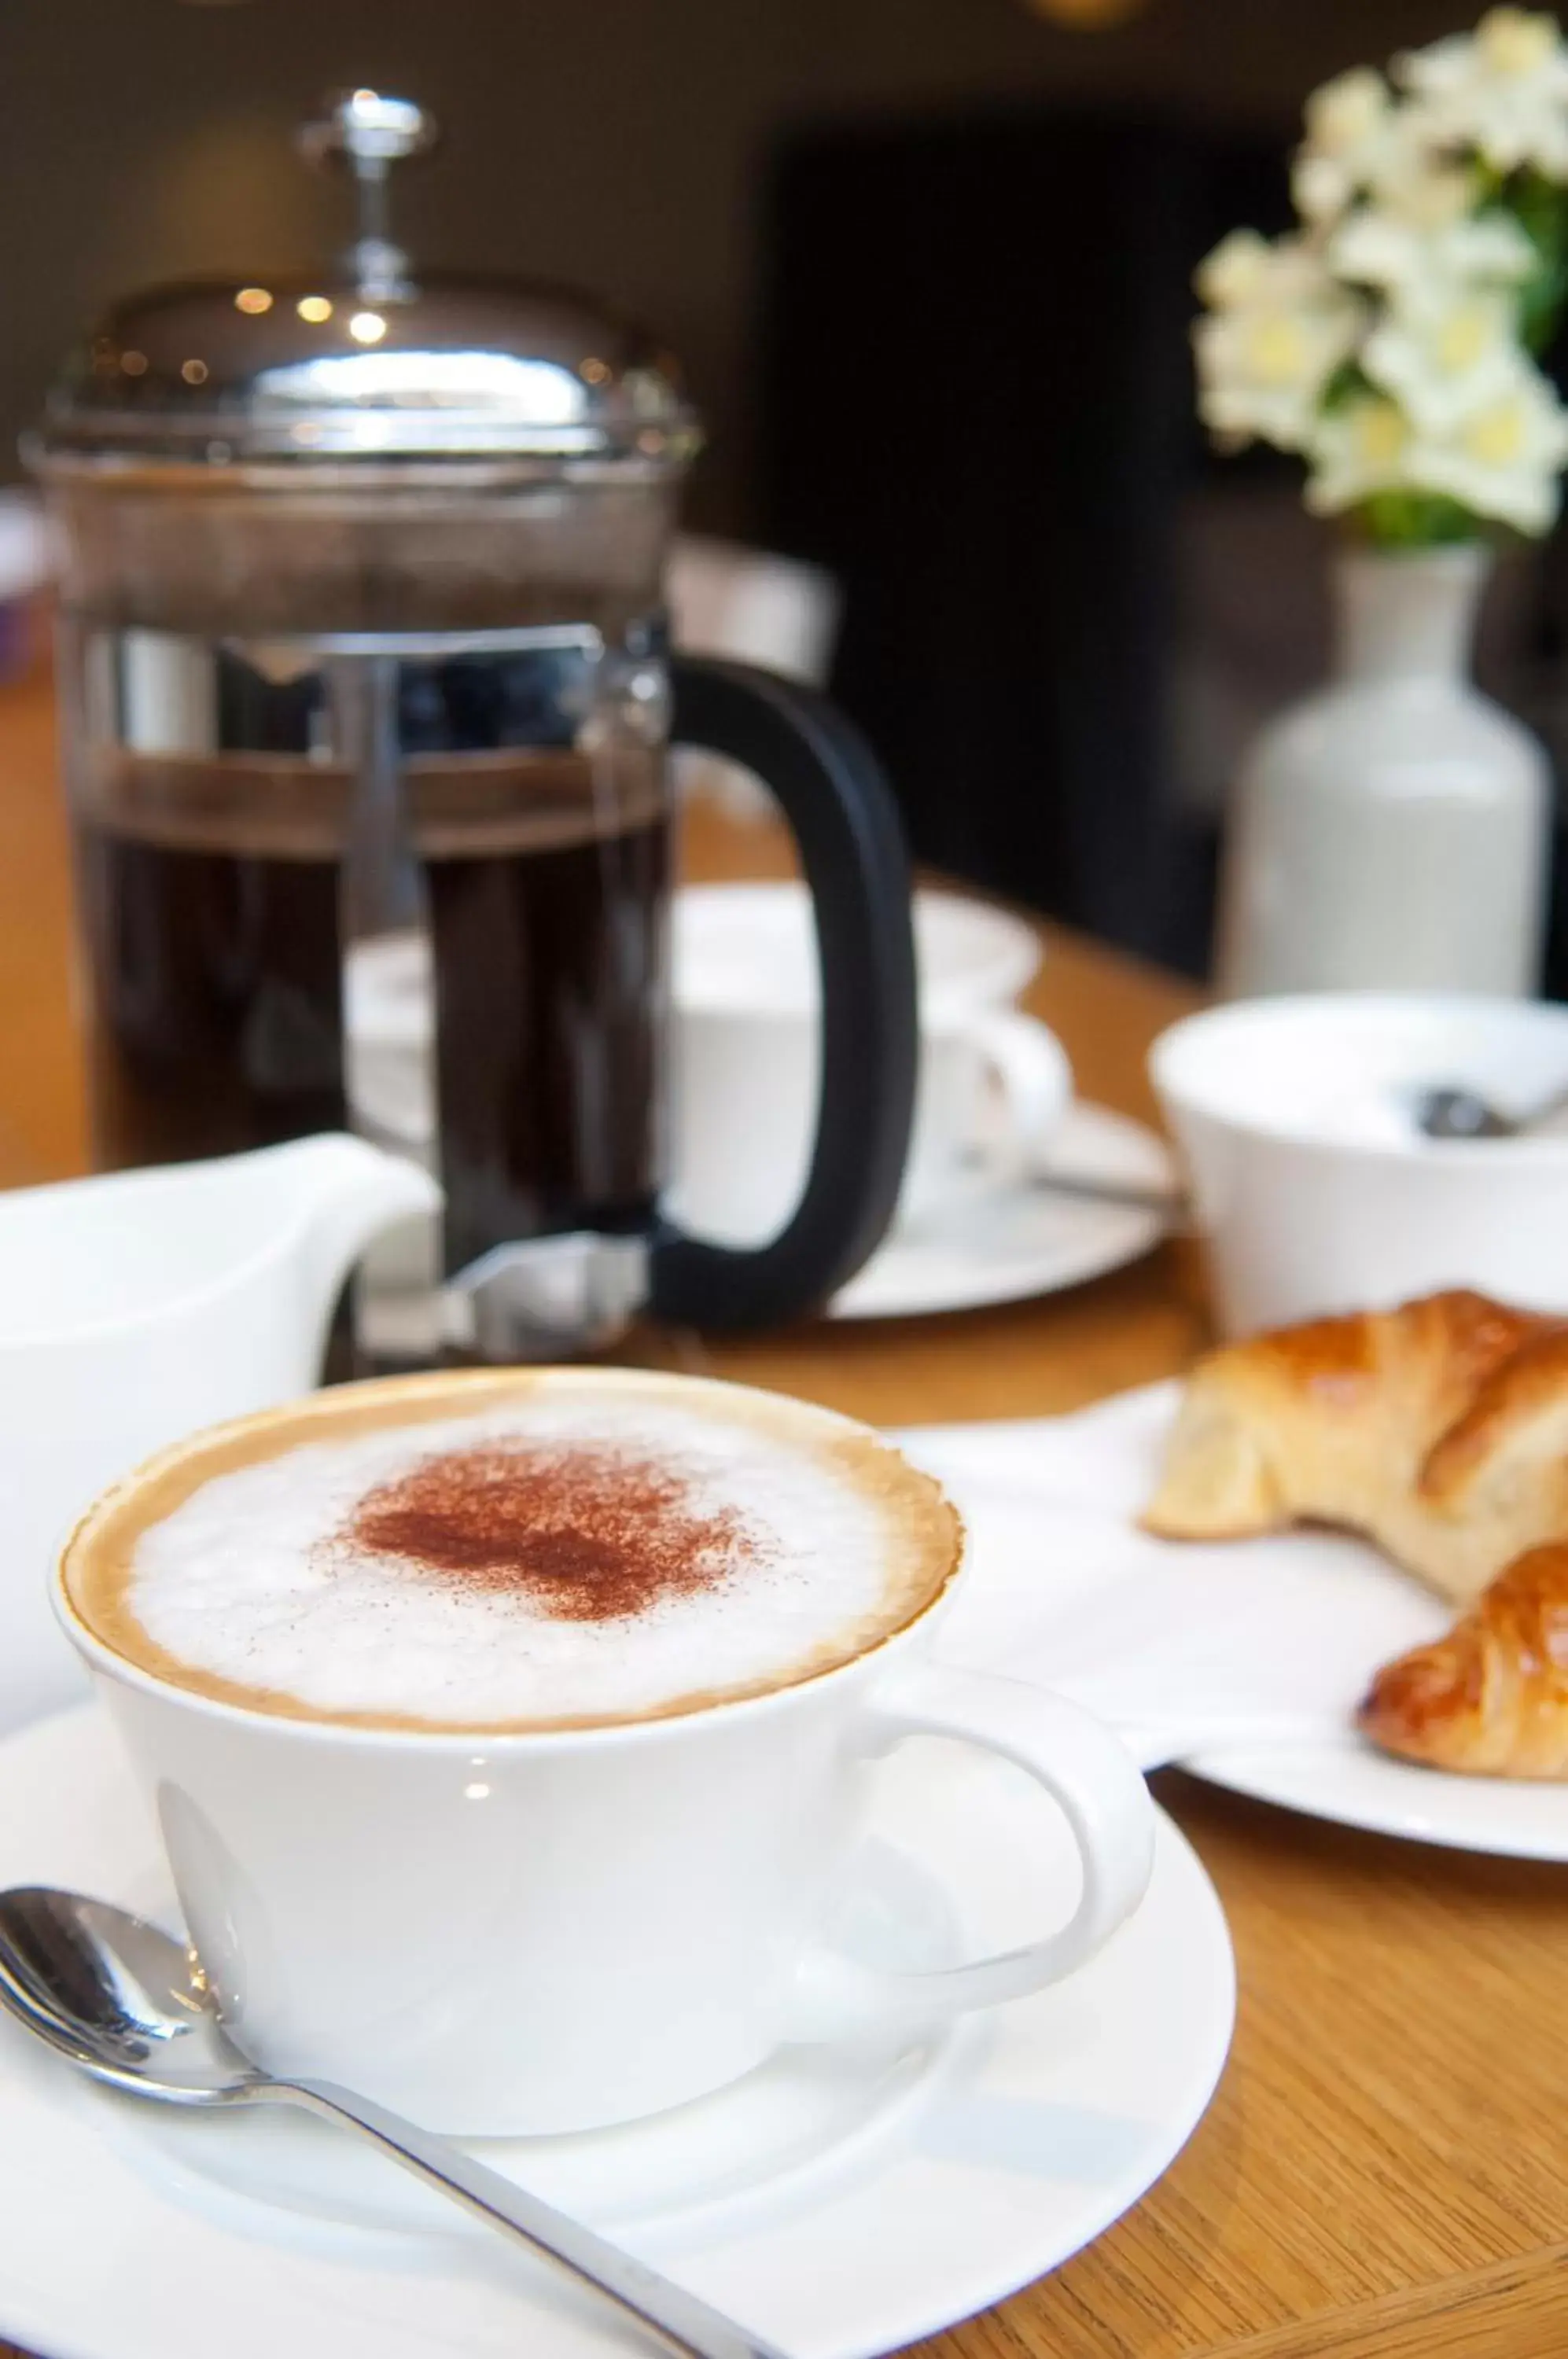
1392 830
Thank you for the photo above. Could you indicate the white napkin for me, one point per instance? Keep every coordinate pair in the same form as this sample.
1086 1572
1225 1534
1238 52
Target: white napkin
1184 1647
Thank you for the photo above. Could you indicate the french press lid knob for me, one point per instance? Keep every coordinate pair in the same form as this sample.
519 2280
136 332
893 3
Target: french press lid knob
366 132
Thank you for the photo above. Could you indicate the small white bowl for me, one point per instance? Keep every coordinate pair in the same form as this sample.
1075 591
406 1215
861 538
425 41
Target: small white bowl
1314 1188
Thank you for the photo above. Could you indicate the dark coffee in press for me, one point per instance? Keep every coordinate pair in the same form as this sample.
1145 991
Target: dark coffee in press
213 909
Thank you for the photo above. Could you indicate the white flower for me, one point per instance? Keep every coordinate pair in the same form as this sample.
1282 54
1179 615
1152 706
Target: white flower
1248 271
1501 463
1359 447
1502 89
1348 122
1505 459
1446 355
1375 248
1360 144
1423 192
1237 271
1347 115
1282 329
1321 186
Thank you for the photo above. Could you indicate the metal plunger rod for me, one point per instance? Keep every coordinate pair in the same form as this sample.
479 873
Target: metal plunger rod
367 133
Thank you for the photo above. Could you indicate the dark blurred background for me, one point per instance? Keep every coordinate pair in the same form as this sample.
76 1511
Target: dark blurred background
927 261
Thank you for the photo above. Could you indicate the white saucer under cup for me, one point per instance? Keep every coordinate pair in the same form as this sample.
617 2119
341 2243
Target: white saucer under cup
844 2202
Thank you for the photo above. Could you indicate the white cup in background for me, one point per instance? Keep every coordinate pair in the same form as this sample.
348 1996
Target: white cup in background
994 1082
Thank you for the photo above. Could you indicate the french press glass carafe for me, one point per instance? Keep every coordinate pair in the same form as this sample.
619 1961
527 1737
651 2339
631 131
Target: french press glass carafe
367 699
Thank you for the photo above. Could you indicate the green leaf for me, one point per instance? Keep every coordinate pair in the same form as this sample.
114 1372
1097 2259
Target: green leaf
1415 520
1348 381
1540 209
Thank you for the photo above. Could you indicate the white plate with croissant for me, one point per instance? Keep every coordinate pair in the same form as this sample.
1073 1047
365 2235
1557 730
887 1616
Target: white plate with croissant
1331 1571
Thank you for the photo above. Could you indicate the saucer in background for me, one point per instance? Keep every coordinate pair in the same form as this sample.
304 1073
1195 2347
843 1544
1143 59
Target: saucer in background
1009 1243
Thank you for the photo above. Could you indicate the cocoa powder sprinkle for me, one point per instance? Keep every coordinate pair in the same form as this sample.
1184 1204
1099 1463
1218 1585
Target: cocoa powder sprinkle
585 1531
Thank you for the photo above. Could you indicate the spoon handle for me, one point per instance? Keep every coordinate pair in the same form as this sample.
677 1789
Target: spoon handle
1172 1202
681 2321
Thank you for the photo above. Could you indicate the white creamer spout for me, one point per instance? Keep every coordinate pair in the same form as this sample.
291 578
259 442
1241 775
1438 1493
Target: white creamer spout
342 1193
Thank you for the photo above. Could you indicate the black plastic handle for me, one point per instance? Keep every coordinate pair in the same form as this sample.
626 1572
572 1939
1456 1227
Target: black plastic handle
831 789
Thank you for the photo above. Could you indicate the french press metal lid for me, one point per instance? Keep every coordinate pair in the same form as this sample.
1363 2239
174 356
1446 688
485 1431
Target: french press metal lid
367 363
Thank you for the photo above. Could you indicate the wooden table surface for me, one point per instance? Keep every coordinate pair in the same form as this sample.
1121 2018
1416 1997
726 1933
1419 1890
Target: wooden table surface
1384 2169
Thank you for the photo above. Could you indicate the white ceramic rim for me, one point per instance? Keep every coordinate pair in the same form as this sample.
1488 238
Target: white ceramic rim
1014 961
102 1659
1169 1053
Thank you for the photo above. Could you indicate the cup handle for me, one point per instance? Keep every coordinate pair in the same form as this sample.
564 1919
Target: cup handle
1030 1066
1082 1768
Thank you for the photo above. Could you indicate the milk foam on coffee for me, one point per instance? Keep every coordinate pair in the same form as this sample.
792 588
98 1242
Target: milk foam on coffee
572 1556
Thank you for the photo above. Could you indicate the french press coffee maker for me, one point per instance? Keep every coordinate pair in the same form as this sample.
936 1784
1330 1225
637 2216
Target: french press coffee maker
367 703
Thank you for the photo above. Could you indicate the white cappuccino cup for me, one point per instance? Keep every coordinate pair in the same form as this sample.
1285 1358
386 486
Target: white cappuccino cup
507 1928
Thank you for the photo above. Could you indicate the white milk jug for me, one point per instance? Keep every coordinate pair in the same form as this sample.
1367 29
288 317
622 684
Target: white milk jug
138 1307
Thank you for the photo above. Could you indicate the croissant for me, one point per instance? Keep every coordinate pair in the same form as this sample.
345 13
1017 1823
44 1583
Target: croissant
1440 1431
1491 1698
